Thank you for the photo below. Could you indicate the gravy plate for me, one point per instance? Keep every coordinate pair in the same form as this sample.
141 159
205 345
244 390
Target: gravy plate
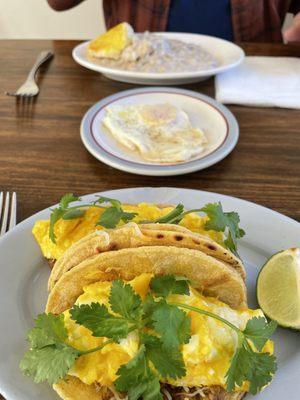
217 122
227 54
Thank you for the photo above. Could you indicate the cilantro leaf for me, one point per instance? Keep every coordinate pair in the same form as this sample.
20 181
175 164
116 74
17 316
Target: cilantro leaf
173 217
127 216
246 364
165 285
50 363
110 218
113 215
73 214
149 306
113 202
168 363
137 379
149 389
49 329
258 330
100 322
67 199
124 301
220 221
49 358
173 324
129 374
56 215
61 212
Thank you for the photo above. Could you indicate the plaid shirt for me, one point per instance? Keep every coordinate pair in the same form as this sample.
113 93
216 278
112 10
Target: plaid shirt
252 20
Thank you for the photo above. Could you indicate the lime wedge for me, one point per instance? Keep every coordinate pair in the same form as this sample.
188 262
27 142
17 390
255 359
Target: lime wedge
278 288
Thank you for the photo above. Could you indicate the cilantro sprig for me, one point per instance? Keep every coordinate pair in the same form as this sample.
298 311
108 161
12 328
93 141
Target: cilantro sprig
162 327
248 364
50 357
111 216
220 221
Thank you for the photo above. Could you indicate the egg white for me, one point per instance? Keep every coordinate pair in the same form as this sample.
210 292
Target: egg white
158 132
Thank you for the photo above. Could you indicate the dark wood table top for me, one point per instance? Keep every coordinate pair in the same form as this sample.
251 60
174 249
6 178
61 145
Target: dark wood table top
42 157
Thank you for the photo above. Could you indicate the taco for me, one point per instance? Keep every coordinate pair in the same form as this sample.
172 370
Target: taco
214 285
70 231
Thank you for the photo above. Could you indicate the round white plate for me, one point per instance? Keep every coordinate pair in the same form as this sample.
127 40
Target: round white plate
24 274
228 55
218 123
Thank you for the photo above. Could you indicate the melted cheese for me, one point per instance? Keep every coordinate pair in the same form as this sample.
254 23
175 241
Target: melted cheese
207 356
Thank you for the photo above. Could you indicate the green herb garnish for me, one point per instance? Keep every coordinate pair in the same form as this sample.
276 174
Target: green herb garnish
108 219
247 364
49 357
219 221
160 353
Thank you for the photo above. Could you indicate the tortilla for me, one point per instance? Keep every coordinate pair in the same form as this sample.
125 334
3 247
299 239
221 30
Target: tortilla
206 273
133 235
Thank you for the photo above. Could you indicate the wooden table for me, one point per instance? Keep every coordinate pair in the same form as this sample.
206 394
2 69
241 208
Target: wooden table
42 157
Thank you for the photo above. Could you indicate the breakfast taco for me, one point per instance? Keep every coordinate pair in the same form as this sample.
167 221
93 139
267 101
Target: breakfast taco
67 224
75 233
152 323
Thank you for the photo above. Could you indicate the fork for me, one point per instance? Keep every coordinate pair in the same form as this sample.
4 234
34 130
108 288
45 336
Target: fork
8 212
29 87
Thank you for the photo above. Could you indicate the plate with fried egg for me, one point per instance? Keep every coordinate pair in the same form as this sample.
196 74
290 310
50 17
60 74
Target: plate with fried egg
159 131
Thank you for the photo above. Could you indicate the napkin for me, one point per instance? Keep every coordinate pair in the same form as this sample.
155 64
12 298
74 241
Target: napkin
261 81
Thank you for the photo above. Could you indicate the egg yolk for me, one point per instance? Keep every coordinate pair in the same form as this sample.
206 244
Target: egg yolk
207 356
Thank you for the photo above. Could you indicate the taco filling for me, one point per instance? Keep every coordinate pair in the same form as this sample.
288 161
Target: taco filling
206 356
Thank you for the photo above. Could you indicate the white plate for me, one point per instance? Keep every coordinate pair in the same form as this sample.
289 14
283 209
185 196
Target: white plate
24 274
217 122
228 55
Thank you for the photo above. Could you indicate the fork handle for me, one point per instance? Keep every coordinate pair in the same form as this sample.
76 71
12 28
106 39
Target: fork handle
41 58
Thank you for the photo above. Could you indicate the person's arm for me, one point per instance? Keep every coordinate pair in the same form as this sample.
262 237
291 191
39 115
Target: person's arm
61 5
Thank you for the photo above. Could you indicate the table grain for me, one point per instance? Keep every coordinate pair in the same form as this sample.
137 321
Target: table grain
42 157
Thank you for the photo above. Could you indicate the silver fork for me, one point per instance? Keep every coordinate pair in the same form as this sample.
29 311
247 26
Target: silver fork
29 87
8 212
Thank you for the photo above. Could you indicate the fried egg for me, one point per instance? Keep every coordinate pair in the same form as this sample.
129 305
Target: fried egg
69 232
207 355
159 133
112 43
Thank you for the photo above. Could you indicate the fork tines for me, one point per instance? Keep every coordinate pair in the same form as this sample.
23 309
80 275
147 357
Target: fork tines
8 211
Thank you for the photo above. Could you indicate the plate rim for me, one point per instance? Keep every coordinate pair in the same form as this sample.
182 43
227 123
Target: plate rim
156 75
218 154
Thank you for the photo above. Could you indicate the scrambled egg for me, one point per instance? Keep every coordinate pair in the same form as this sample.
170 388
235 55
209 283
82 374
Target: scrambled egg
69 232
207 356
158 132
112 43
